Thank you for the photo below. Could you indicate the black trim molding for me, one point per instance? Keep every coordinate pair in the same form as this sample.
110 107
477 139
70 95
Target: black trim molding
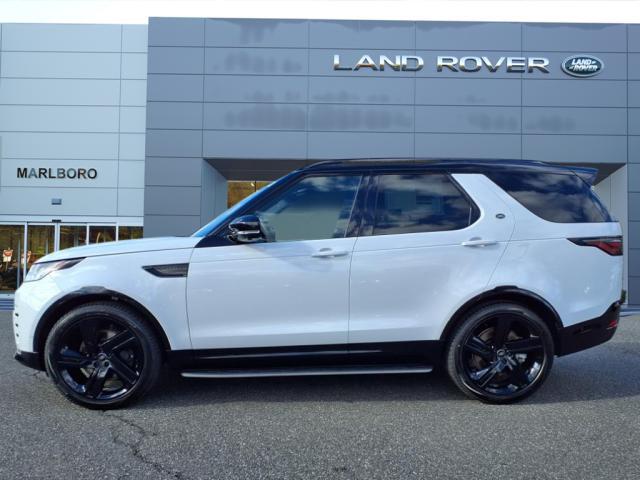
427 353
168 270
583 335
29 359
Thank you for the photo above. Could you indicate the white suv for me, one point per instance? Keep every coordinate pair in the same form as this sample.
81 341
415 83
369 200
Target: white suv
489 269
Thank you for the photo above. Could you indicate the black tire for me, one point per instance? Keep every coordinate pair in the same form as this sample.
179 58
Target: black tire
500 353
103 355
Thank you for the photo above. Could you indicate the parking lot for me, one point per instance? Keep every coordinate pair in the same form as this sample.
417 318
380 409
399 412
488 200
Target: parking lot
583 423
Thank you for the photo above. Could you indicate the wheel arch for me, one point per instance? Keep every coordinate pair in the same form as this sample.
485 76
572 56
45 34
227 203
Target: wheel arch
88 295
509 293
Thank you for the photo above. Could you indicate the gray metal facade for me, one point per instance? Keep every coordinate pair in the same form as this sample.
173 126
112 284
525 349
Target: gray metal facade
73 96
227 97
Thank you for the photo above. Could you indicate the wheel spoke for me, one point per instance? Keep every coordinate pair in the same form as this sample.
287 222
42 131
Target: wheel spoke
525 345
477 346
89 332
95 382
123 371
519 375
503 325
68 358
118 342
488 374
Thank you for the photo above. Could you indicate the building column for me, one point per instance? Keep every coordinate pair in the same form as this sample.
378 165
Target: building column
181 194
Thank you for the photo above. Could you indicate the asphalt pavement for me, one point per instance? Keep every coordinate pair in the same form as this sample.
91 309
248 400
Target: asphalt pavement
584 423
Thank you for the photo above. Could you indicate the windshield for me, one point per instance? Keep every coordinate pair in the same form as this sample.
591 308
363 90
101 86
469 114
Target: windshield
231 213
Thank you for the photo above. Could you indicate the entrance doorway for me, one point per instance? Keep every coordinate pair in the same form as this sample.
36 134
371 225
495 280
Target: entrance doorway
240 189
25 243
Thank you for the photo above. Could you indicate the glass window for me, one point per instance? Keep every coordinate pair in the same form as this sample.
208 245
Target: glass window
415 203
129 233
237 190
555 197
12 244
232 212
315 208
101 234
40 242
72 236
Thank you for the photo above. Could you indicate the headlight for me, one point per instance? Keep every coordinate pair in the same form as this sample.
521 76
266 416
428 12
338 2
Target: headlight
41 270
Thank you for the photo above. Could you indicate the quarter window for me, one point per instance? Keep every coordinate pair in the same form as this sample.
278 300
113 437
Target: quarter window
415 203
555 197
315 208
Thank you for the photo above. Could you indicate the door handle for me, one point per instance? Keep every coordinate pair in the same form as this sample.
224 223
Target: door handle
329 252
478 242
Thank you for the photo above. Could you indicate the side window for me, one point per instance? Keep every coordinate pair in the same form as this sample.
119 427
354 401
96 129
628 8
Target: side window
315 208
555 197
415 203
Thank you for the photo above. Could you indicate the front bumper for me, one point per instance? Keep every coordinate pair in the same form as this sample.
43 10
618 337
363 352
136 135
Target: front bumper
29 359
30 301
588 334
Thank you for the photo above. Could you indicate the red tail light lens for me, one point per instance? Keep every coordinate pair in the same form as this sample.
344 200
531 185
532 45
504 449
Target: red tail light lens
609 245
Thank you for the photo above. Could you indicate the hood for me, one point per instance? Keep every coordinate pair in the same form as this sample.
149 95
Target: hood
124 246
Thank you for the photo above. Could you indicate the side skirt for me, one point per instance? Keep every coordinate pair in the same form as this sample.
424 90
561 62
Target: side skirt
307 371
366 355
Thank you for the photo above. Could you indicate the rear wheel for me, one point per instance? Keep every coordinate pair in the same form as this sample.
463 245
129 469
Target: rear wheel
102 355
501 353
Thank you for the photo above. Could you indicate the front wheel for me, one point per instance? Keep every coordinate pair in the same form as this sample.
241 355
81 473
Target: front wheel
102 355
501 353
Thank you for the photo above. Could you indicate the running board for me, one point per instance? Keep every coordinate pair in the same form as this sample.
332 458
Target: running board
303 372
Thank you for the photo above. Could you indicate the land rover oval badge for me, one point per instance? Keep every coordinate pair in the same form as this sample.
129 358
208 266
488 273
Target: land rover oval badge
582 65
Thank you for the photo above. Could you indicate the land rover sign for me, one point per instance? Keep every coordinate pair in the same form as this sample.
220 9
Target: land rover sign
582 65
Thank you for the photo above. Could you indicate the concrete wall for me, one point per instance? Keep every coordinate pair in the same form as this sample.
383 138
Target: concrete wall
72 96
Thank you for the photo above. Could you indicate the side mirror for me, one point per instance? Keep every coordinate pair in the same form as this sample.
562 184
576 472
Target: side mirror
246 229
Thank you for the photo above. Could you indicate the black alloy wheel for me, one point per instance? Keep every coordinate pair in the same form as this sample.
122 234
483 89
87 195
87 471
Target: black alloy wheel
501 353
102 355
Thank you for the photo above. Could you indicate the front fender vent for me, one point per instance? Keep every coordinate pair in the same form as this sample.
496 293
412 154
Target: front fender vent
169 270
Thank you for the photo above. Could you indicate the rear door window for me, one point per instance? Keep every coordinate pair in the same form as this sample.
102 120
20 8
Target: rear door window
555 197
416 203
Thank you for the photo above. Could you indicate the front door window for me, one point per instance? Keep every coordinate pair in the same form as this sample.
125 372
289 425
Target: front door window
315 208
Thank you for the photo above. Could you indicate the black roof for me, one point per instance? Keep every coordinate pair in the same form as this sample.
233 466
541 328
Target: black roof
450 166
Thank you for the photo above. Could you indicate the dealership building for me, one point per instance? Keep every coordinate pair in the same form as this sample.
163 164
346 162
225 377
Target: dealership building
117 131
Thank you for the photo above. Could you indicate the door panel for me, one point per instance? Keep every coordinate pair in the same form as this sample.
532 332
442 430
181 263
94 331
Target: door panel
269 294
405 287
293 288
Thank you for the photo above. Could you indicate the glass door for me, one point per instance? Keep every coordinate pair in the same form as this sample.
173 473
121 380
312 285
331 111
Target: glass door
12 245
40 242
71 235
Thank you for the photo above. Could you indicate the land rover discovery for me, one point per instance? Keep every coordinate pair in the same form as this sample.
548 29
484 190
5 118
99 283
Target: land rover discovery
488 269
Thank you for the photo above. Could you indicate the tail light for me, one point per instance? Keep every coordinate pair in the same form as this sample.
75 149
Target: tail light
609 245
